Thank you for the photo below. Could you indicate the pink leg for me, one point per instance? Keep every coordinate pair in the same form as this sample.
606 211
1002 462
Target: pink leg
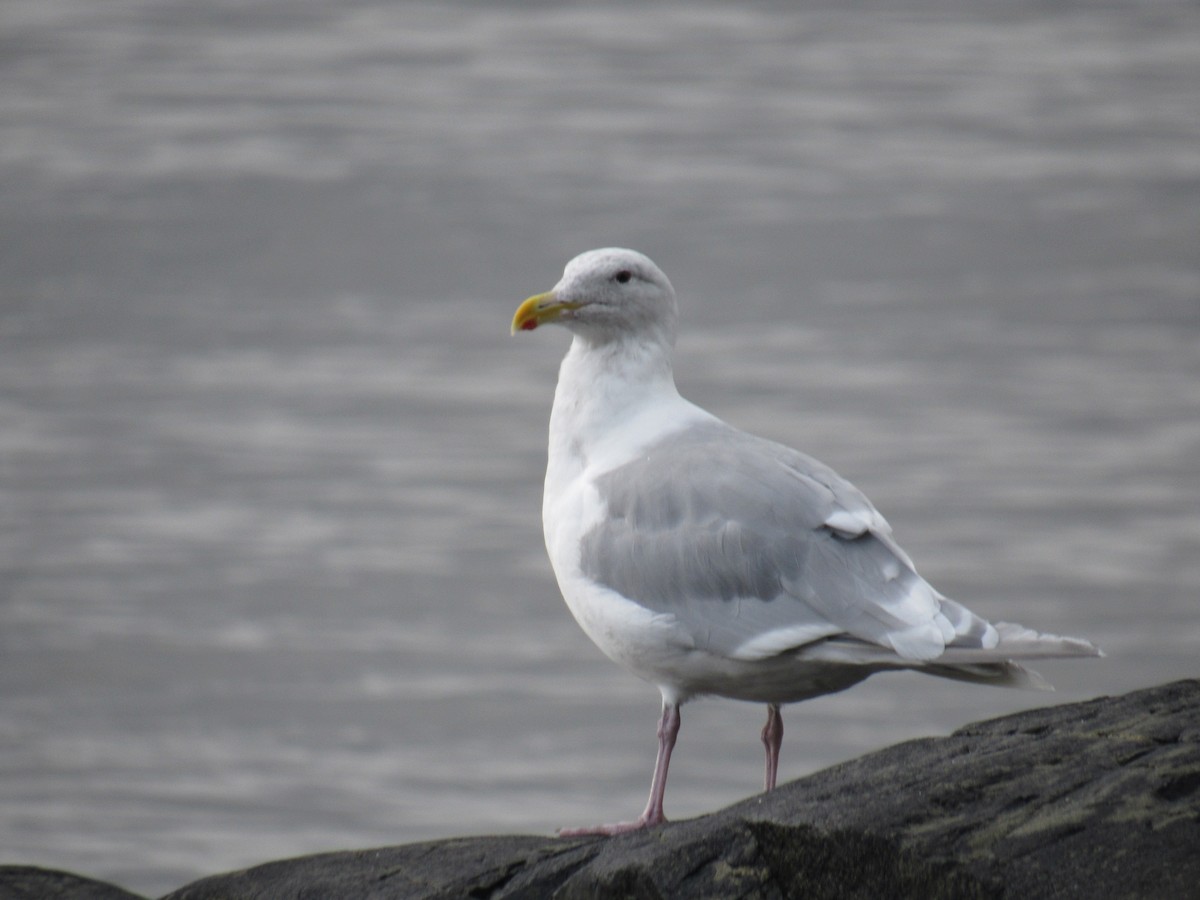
772 738
668 730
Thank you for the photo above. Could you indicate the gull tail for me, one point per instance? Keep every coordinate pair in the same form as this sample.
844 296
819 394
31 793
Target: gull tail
996 674
997 665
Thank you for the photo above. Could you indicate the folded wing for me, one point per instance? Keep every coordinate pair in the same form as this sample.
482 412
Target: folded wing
757 549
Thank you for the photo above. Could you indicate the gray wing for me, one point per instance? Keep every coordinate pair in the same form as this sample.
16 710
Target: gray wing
757 549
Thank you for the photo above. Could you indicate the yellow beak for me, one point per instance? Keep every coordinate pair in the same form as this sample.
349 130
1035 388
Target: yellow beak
540 309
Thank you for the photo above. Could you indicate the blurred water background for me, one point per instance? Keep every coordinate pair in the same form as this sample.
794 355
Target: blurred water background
270 463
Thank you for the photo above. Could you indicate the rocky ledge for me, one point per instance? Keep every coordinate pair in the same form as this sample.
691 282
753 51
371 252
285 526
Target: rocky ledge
1096 799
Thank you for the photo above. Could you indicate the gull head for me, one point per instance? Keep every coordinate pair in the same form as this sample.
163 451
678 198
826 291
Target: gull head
606 295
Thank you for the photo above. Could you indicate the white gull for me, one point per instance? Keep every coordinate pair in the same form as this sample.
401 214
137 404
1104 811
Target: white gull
709 561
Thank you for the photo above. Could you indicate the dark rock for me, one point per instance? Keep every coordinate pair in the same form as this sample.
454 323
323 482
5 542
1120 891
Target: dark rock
1097 799
33 883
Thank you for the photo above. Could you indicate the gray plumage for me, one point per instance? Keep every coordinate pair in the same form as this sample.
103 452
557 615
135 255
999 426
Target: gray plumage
731 534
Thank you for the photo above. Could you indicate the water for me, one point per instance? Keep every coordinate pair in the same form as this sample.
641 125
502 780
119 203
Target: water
270 464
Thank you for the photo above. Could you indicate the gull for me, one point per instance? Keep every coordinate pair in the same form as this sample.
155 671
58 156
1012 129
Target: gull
708 561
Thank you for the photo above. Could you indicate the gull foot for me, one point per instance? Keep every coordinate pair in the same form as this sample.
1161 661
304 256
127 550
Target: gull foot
610 830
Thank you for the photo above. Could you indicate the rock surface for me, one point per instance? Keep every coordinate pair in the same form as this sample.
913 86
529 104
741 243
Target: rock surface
1096 799
33 883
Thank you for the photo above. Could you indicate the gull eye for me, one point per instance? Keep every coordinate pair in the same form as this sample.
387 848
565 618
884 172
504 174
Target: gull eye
623 276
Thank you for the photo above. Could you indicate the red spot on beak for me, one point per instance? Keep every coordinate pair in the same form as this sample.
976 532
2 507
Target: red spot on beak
529 325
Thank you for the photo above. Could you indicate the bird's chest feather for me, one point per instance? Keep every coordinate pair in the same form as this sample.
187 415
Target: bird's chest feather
627 632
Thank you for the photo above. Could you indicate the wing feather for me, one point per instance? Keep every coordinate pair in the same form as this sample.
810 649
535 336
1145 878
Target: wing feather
759 549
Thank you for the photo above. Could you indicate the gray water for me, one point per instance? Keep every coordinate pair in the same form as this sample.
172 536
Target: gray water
270 463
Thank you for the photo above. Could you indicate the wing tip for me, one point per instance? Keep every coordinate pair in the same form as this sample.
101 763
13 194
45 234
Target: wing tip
1017 640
